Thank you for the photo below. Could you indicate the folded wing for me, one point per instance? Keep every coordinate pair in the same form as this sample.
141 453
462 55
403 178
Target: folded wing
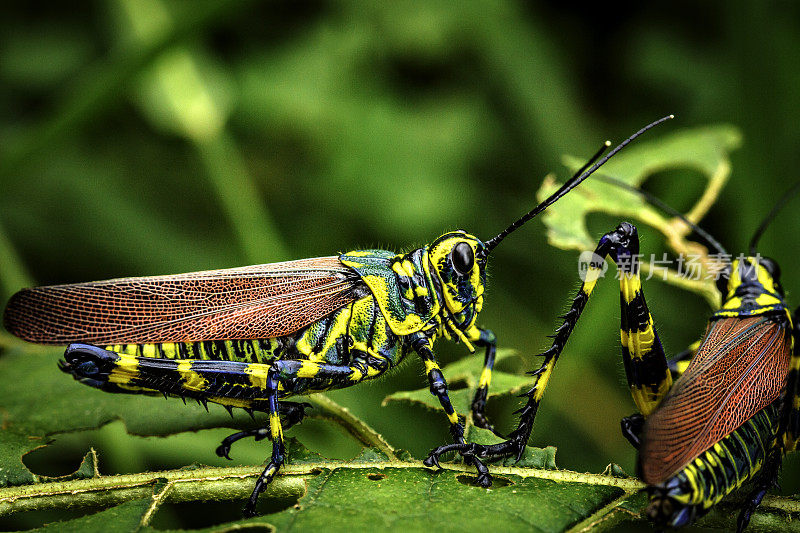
252 302
739 369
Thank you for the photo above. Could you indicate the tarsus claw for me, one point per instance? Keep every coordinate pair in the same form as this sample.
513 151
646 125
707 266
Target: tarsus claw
223 451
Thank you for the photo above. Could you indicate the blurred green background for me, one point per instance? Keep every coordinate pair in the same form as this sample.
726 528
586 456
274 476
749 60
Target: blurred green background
154 137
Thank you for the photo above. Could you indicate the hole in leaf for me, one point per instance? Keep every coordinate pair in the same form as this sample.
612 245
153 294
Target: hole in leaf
472 481
121 453
376 476
679 188
192 515
500 482
34 519
457 384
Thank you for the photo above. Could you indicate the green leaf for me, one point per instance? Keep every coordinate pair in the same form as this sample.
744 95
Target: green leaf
542 458
28 420
705 150
395 496
373 489
124 517
415 500
463 377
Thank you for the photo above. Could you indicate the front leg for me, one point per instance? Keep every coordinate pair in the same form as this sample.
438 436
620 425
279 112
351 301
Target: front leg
645 365
485 338
438 387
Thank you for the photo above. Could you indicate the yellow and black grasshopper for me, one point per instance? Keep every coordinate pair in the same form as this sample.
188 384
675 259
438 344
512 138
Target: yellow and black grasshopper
733 411
250 337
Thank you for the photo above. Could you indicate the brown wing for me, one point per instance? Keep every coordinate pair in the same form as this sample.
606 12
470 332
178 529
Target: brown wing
259 301
739 369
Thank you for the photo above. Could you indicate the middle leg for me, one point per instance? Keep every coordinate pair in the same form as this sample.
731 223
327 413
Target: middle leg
645 364
479 418
438 387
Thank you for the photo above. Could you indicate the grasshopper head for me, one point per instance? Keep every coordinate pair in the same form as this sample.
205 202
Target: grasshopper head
458 261
751 276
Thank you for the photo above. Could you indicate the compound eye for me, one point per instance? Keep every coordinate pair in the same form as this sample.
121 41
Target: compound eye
463 258
722 283
771 266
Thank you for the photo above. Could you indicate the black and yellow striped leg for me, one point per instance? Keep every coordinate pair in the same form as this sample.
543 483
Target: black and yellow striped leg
678 363
438 387
479 418
291 413
632 425
278 450
283 371
253 386
767 479
645 364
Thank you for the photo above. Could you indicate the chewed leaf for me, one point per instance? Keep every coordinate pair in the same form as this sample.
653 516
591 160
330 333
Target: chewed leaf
414 499
26 421
704 149
543 458
126 516
87 469
463 377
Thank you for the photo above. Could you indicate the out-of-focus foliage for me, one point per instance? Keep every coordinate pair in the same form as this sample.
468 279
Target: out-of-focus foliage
152 137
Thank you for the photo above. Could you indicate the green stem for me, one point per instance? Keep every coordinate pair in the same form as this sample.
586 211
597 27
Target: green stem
100 85
241 201
608 517
214 483
204 483
352 424
159 497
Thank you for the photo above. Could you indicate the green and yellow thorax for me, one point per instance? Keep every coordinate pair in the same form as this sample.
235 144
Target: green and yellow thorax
439 287
753 288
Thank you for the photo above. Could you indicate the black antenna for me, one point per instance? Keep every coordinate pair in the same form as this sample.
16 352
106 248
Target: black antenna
657 202
771 216
600 151
570 184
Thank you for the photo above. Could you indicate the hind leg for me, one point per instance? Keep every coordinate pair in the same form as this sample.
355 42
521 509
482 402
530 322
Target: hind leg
632 425
245 385
646 367
767 478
